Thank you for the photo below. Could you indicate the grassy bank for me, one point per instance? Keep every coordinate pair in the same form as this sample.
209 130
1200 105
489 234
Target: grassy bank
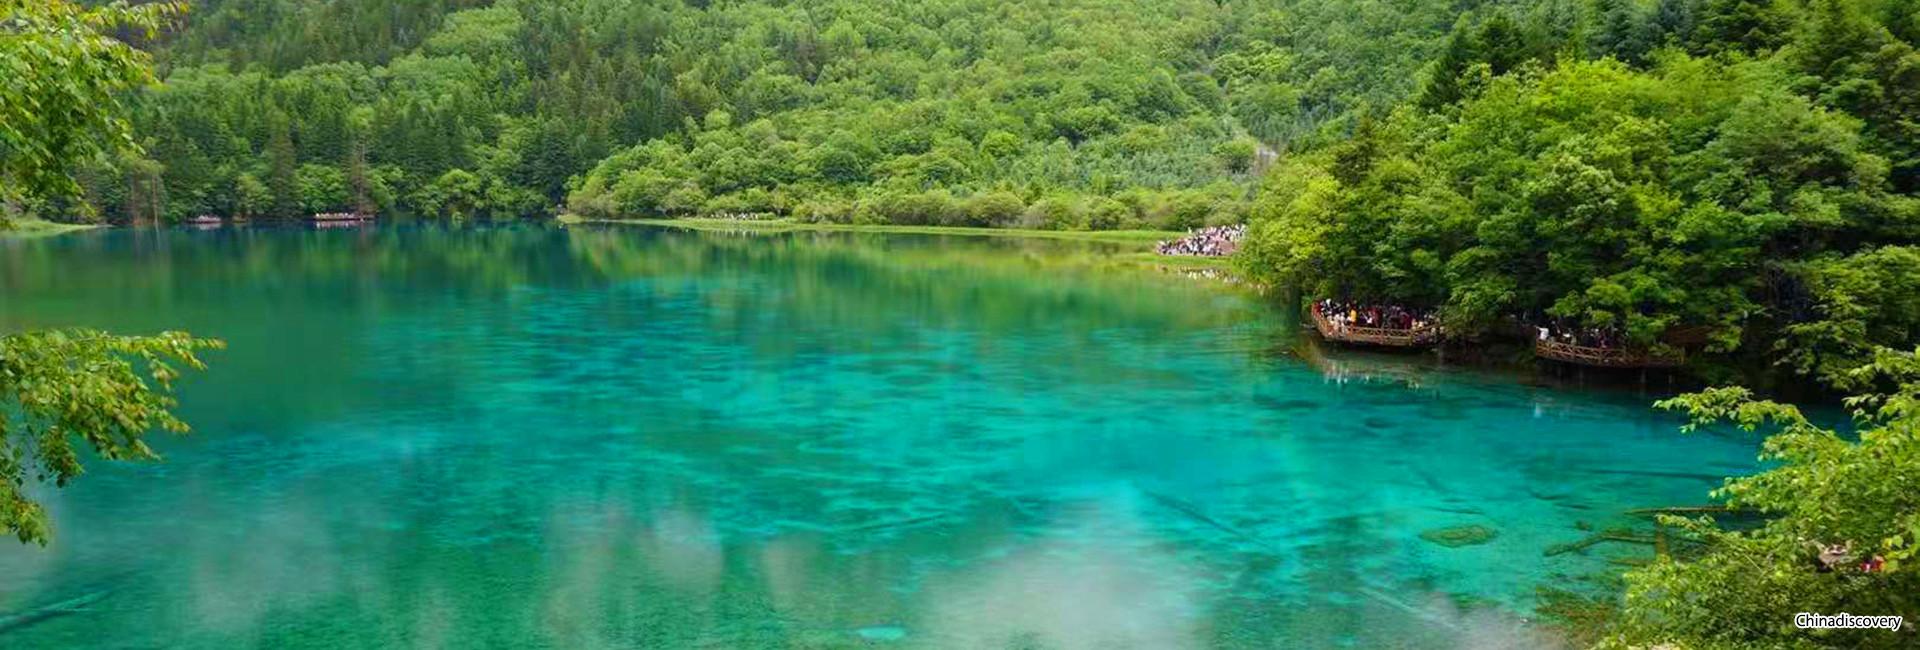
1136 245
32 228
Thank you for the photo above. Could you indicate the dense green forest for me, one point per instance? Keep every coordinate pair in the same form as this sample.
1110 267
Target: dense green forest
1067 114
1732 176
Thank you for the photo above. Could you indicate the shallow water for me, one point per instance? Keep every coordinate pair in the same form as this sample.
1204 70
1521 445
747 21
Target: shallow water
628 437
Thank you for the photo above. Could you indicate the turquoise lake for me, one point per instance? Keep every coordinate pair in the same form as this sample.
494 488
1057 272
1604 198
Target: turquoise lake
629 437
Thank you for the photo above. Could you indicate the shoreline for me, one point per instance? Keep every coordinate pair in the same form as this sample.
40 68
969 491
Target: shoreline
16 229
1140 242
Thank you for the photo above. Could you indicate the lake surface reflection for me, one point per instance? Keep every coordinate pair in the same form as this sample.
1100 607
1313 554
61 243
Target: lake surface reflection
633 437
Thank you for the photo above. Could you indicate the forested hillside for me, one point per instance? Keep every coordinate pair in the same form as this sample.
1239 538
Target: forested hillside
1065 113
1728 176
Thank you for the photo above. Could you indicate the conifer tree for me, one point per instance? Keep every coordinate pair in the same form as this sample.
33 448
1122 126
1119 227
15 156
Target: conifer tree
1623 32
282 167
1443 86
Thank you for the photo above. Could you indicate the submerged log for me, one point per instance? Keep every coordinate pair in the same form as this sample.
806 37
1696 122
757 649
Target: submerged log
16 620
1679 510
1426 614
1194 512
1615 535
898 524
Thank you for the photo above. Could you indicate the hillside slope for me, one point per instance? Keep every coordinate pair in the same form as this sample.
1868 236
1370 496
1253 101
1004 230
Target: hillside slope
1071 113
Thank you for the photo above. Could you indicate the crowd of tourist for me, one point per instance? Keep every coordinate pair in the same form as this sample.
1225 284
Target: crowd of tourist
740 216
1343 314
1215 241
1586 337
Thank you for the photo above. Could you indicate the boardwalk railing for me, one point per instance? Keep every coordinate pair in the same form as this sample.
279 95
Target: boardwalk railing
1388 336
1605 357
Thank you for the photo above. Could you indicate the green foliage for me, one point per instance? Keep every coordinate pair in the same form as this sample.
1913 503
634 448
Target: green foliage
60 387
1862 302
1495 46
994 209
321 188
1825 489
1863 67
64 79
288 35
1237 155
828 103
60 104
1623 32
1745 26
874 132
1740 202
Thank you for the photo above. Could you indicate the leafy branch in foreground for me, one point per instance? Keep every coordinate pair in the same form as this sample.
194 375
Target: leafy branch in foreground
59 386
1842 528
66 75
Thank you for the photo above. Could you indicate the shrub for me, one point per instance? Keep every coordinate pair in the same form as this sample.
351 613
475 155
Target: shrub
1107 214
992 209
824 211
725 204
1236 155
1055 213
686 199
1185 211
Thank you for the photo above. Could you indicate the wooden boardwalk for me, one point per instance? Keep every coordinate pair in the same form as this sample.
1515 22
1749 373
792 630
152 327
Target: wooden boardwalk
1384 336
1605 357
337 217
